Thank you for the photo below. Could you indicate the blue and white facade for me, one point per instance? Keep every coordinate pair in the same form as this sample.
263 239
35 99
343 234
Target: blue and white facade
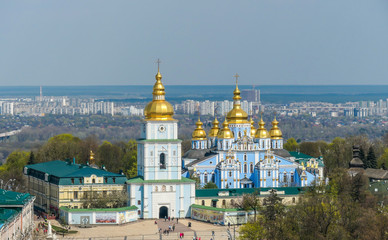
159 190
245 157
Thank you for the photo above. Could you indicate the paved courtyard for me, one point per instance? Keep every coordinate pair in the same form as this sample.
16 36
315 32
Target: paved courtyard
147 230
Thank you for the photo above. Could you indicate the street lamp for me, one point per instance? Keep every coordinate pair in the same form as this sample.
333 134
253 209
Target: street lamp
5 185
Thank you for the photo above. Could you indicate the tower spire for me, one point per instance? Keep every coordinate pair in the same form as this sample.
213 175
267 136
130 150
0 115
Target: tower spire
158 62
237 114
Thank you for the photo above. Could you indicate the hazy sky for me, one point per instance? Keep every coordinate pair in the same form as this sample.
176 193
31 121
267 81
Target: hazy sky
199 42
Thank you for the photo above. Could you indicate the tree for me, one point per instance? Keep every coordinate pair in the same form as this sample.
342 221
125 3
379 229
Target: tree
31 159
252 230
60 147
337 155
110 156
197 181
371 159
210 185
273 213
249 202
116 199
12 170
362 156
383 160
291 145
310 148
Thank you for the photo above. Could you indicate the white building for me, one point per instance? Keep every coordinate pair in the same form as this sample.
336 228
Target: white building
159 190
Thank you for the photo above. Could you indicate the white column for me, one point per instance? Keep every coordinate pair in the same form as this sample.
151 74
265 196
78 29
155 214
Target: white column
234 178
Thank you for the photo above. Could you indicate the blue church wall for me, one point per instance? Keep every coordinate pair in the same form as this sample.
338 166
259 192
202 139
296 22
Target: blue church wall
186 199
297 178
310 178
149 195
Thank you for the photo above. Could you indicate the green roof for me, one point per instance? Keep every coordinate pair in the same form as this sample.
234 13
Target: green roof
300 155
212 193
7 214
99 209
215 209
61 173
140 179
9 198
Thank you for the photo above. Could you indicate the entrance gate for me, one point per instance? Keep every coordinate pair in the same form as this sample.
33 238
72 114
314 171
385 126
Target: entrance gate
163 212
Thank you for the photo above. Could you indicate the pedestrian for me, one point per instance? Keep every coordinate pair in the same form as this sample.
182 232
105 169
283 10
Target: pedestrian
173 219
165 218
176 220
169 219
173 228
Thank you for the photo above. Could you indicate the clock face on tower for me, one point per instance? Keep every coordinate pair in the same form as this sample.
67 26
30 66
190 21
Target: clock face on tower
162 128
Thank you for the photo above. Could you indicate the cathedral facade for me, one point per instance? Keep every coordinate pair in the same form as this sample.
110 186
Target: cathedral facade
160 190
238 155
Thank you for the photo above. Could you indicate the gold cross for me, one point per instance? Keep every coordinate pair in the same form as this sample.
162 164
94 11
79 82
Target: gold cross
236 76
158 62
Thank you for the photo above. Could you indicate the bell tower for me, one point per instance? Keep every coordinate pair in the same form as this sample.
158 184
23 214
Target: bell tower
159 149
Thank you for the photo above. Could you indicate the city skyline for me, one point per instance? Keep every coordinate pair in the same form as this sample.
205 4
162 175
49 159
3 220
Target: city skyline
267 43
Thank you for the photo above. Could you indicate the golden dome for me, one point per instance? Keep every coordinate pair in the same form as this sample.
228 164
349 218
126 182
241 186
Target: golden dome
225 132
158 109
253 129
199 133
237 114
262 131
215 128
275 132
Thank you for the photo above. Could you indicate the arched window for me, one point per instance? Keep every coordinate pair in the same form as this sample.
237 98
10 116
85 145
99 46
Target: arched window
205 178
230 174
285 177
292 177
269 173
203 202
245 168
245 157
162 161
251 167
93 180
223 202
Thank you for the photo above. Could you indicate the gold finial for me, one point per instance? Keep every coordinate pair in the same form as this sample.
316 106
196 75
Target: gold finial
158 62
91 157
199 133
275 131
158 76
237 114
158 109
236 76
215 128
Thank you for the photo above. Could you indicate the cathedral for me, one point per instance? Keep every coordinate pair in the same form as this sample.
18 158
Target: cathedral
239 155
160 190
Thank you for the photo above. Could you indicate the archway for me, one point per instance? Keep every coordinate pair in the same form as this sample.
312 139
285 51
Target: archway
163 212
